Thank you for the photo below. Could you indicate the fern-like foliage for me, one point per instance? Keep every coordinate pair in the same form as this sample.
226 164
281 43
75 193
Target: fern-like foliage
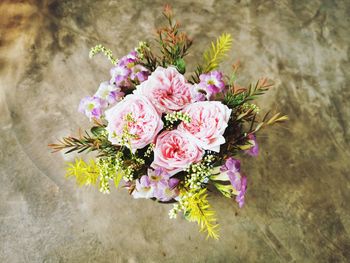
214 55
198 209
84 173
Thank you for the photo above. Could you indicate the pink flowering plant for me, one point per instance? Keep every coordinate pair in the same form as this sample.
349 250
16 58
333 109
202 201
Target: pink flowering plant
167 134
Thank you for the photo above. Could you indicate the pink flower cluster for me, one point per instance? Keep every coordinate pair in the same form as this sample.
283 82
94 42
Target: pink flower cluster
166 91
140 113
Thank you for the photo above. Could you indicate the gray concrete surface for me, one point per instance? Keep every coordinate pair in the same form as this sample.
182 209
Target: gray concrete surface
298 201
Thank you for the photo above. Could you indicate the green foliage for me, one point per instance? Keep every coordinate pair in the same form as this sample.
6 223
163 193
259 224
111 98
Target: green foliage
256 90
241 97
233 100
101 49
150 60
84 173
180 65
174 44
277 118
227 190
118 178
214 55
96 141
197 209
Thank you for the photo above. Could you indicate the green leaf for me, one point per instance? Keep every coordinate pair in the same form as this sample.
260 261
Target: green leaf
226 190
180 65
97 130
118 178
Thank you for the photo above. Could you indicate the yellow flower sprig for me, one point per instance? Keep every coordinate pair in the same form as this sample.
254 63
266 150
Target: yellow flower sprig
84 173
196 208
217 52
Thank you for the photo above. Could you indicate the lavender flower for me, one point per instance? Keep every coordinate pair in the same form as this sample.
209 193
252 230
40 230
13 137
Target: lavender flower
109 92
128 69
254 149
233 167
120 75
143 188
139 73
92 107
211 83
157 184
198 94
129 60
241 195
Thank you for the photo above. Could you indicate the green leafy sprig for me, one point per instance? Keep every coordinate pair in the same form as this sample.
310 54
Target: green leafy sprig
174 44
96 141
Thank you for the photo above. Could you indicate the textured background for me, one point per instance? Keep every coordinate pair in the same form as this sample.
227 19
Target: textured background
298 200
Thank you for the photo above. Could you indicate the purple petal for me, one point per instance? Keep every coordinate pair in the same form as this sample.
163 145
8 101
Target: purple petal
173 182
158 171
240 198
233 164
144 181
254 150
96 112
235 180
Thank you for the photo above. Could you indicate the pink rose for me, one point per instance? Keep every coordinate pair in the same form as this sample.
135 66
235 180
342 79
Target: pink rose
137 115
167 89
174 152
208 123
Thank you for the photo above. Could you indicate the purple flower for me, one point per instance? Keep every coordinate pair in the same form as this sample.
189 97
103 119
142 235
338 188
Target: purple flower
164 186
92 107
129 69
129 60
241 195
254 150
157 184
143 188
197 94
211 83
158 175
233 167
139 73
165 191
109 92
120 75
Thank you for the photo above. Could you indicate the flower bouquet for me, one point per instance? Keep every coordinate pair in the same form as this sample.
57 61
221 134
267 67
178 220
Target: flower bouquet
169 135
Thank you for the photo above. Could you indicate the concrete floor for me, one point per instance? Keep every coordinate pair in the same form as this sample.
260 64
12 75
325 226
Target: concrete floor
298 201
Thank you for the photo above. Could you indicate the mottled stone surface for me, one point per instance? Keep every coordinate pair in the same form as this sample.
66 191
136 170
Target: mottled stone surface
298 200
